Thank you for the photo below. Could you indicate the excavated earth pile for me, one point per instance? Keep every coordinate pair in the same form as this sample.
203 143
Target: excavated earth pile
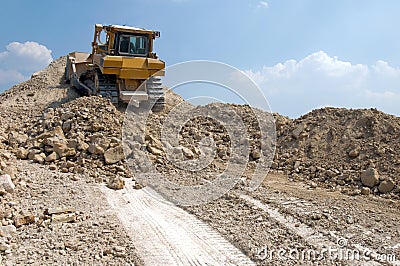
84 136
189 143
357 151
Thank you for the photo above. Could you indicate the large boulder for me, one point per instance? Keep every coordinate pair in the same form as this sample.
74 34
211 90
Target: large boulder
114 155
16 139
370 177
63 150
56 132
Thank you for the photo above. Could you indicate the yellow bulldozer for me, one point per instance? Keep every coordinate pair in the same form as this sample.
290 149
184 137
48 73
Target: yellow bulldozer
122 58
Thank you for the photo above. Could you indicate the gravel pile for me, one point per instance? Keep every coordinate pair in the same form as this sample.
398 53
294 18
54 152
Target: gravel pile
356 151
81 136
201 143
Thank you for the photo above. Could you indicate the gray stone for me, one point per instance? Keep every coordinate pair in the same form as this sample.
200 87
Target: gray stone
95 149
297 131
370 177
8 230
32 153
255 154
6 183
72 143
67 125
386 186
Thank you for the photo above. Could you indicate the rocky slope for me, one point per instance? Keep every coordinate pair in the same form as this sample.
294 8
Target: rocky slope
47 216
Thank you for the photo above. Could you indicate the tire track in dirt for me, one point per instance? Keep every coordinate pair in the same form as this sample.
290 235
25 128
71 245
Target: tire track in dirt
167 235
312 237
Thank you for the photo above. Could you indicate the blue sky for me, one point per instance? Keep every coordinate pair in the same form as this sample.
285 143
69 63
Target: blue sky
303 54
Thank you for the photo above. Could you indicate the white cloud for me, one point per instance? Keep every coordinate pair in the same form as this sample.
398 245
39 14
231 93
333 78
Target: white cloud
10 75
28 56
263 4
20 60
295 87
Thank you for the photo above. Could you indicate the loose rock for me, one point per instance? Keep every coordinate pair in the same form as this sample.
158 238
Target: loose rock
6 183
116 183
370 177
114 155
386 186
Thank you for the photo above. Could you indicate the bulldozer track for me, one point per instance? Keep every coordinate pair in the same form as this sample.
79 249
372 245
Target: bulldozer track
167 235
318 240
106 86
156 93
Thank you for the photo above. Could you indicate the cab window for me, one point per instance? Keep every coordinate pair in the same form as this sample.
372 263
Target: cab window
133 45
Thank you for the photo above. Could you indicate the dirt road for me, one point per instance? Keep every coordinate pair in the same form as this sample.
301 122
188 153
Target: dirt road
167 235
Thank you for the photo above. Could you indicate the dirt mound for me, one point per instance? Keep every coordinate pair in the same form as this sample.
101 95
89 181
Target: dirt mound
330 146
353 151
334 146
204 141
70 134
76 137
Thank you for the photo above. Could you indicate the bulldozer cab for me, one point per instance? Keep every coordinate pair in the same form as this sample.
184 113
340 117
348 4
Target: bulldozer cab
124 41
133 45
